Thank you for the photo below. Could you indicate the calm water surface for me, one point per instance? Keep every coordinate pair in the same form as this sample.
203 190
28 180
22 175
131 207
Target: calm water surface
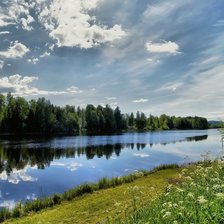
37 168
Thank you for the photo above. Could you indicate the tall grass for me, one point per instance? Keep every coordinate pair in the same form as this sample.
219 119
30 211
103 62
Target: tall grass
198 199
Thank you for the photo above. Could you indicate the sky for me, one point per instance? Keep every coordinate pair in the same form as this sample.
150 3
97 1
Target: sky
155 56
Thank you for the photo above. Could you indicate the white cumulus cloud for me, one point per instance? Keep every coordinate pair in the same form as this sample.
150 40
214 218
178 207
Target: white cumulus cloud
165 47
4 20
26 22
74 89
45 54
4 32
1 64
70 24
17 13
140 101
15 50
22 86
33 60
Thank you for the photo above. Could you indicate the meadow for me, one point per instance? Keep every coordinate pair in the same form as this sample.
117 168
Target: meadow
197 198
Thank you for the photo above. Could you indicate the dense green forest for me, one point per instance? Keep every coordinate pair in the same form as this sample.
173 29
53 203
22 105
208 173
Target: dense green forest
19 116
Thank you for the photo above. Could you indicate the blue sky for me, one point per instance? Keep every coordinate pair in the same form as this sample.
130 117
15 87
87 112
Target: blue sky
153 56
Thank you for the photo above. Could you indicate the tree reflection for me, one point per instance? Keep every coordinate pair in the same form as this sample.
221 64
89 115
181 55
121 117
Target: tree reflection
18 157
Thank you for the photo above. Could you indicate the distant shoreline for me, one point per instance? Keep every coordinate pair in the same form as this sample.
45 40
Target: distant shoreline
84 133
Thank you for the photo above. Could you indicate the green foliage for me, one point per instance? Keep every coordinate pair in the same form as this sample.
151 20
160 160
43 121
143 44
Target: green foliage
40 116
165 166
17 211
216 124
2 108
197 197
118 118
5 214
140 121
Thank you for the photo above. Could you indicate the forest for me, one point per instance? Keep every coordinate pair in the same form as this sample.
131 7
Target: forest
19 116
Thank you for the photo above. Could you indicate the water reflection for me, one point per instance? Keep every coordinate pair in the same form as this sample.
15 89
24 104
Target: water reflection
14 157
33 168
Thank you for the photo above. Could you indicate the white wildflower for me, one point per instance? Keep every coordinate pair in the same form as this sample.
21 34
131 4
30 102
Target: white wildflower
202 200
167 214
190 194
179 189
188 178
220 195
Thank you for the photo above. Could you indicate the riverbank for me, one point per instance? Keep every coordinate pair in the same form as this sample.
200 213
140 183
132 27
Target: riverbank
168 194
106 204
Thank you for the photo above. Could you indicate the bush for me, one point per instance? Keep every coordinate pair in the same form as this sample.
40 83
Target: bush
17 211
57 198
103 183
4 214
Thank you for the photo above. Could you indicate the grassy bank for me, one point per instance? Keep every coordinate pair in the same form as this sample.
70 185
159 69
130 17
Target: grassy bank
107 201
198 199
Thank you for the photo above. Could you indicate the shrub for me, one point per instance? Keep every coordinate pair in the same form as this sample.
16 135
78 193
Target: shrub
4 214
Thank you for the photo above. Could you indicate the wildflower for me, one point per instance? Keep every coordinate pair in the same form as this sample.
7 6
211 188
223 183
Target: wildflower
184 171
167 214
217 186
179 189
215 179
117 204
170 205
190 194
202 200
135 188
199 167
220 162
188 178
163 210
169 186
220 195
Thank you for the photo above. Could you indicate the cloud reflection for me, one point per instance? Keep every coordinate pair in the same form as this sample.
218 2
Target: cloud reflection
17 176
141 155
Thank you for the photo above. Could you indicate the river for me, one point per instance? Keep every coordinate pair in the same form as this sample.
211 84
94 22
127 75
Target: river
31 168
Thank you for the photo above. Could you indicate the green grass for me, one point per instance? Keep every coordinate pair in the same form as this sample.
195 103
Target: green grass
86 188
107 201
198 198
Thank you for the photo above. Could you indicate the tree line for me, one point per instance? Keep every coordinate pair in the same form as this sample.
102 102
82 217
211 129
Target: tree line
20 116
